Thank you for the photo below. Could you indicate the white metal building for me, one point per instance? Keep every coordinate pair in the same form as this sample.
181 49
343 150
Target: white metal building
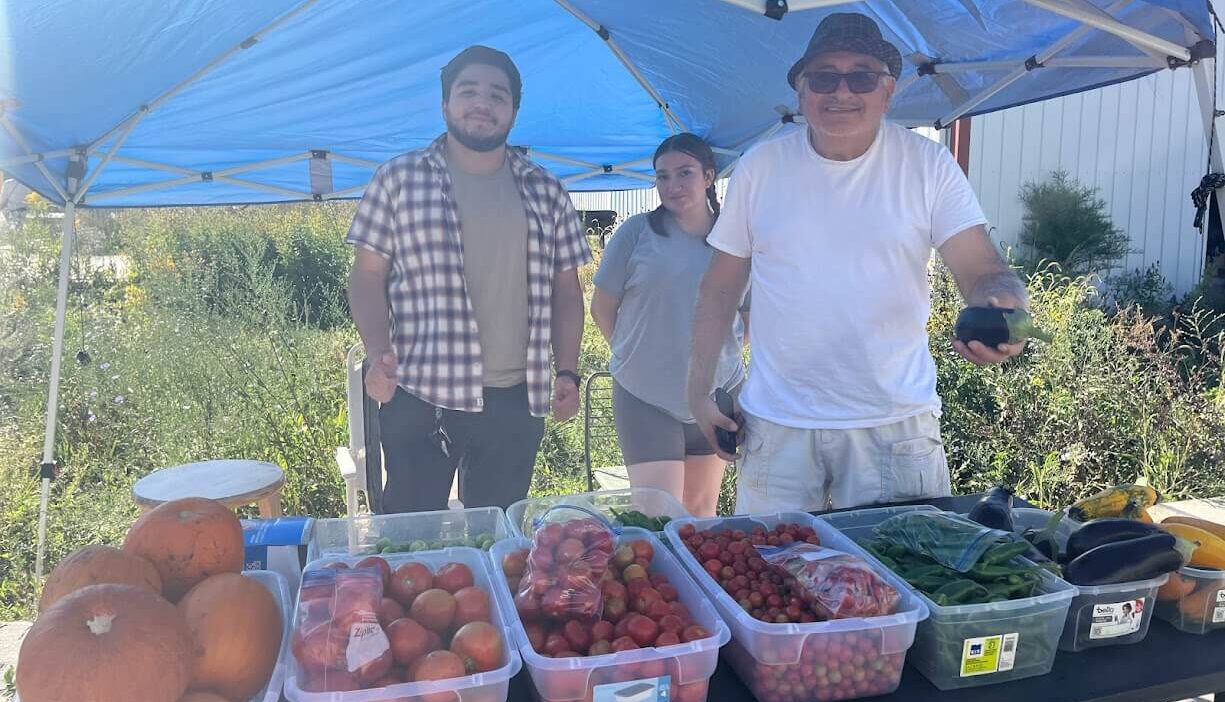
1142 144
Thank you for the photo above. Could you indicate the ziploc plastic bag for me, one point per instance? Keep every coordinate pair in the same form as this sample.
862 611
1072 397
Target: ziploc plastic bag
338 640
949 539
838 585
571 549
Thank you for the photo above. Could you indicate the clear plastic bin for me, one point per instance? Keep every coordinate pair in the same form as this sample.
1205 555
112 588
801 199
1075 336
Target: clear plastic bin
832 660
689 665
276 584
650 501
1202 609
983 644
490 686
360 536
1102 615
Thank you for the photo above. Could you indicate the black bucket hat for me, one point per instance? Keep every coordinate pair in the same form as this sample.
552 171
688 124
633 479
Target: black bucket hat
853 32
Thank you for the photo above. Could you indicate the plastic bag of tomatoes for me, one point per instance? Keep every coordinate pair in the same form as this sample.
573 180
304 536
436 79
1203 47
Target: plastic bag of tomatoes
571 549
837 585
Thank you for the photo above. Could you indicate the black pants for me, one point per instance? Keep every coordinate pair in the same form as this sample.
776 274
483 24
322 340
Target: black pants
495 451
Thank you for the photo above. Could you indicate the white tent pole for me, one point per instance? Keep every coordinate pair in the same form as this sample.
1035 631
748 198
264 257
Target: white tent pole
34 158
545 155
1093 17
183 85
1106 62
341 158
265 188
1067 62
1020 71
25 146
343 193
1203 71
153 165
57 349
110 154
602 31
205 176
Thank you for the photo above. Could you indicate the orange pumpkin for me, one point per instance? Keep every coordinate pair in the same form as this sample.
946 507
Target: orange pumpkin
202 697
95 565
187 540
1176 588
1200 605
106 643
236 625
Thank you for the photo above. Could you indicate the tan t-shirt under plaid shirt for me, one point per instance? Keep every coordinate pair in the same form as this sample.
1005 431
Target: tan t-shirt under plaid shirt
408 215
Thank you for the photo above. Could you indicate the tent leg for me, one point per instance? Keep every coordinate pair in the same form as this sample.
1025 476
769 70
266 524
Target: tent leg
1203 73
57 349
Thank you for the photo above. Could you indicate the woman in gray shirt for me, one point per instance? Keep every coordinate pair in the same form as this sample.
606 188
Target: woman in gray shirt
645 294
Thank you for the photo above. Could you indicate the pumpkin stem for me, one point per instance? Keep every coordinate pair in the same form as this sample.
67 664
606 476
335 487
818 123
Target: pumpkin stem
100 624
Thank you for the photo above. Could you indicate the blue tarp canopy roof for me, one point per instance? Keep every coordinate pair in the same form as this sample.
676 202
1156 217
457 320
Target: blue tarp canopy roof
200 102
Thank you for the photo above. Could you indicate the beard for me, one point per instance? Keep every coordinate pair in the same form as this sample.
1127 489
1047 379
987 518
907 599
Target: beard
476 142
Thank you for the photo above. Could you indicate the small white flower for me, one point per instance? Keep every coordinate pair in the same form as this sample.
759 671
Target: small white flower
93 417
119 399
93 394
104 366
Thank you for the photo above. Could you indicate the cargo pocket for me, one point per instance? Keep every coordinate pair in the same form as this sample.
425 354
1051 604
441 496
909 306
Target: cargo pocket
918 468
753 466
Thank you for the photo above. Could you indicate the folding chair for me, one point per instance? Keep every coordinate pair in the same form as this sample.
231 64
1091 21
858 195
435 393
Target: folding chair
598 424
361 462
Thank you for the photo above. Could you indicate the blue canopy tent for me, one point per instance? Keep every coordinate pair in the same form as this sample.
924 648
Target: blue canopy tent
139 103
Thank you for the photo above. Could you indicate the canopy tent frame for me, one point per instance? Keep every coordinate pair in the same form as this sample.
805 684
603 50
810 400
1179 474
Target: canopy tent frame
1156 53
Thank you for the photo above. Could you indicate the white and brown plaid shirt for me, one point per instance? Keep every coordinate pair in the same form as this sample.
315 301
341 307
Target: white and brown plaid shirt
408 215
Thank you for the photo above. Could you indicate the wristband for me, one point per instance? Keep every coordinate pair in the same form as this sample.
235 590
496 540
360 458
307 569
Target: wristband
578 381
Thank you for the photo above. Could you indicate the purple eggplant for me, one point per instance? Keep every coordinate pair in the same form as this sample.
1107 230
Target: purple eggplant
996 325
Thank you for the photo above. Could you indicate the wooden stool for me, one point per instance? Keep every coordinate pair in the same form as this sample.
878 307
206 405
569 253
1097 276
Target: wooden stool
234 483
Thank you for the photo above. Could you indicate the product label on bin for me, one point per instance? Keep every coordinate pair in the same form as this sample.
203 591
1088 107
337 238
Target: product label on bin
1117 619
366 643
1218 614
988 654
646 690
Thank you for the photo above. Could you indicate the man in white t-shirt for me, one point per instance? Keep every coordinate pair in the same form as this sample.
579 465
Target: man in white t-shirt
838 222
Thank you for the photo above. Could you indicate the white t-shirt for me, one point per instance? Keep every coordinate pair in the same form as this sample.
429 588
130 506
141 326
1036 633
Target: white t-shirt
839 254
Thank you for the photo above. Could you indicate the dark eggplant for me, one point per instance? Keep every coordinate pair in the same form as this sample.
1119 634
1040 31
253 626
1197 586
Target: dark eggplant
1043 544
1105 530
996 325
1125 561
994 510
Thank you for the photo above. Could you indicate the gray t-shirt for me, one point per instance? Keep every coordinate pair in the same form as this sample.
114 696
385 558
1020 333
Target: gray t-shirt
656 279
493 231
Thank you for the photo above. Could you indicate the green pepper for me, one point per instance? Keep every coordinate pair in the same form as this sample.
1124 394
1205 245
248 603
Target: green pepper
993 572
1002 553
957 592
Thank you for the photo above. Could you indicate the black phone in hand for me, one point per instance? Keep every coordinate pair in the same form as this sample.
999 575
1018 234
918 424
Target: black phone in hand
725 438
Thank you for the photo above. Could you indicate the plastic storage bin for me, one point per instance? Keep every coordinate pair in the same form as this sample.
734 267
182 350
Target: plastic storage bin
277 585
1201 610
689 665
490 686
833 660
970 645
1102 615
650 501
360 536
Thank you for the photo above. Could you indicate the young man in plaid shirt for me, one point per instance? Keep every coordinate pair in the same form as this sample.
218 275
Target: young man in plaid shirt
466 294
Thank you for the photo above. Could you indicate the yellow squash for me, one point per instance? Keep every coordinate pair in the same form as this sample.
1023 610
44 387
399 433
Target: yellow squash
1210 553
1111 502
1210 527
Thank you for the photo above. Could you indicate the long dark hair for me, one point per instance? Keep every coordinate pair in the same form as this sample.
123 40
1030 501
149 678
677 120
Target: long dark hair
690 145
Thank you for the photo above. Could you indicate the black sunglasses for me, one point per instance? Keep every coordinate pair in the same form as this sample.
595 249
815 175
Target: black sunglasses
827 82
